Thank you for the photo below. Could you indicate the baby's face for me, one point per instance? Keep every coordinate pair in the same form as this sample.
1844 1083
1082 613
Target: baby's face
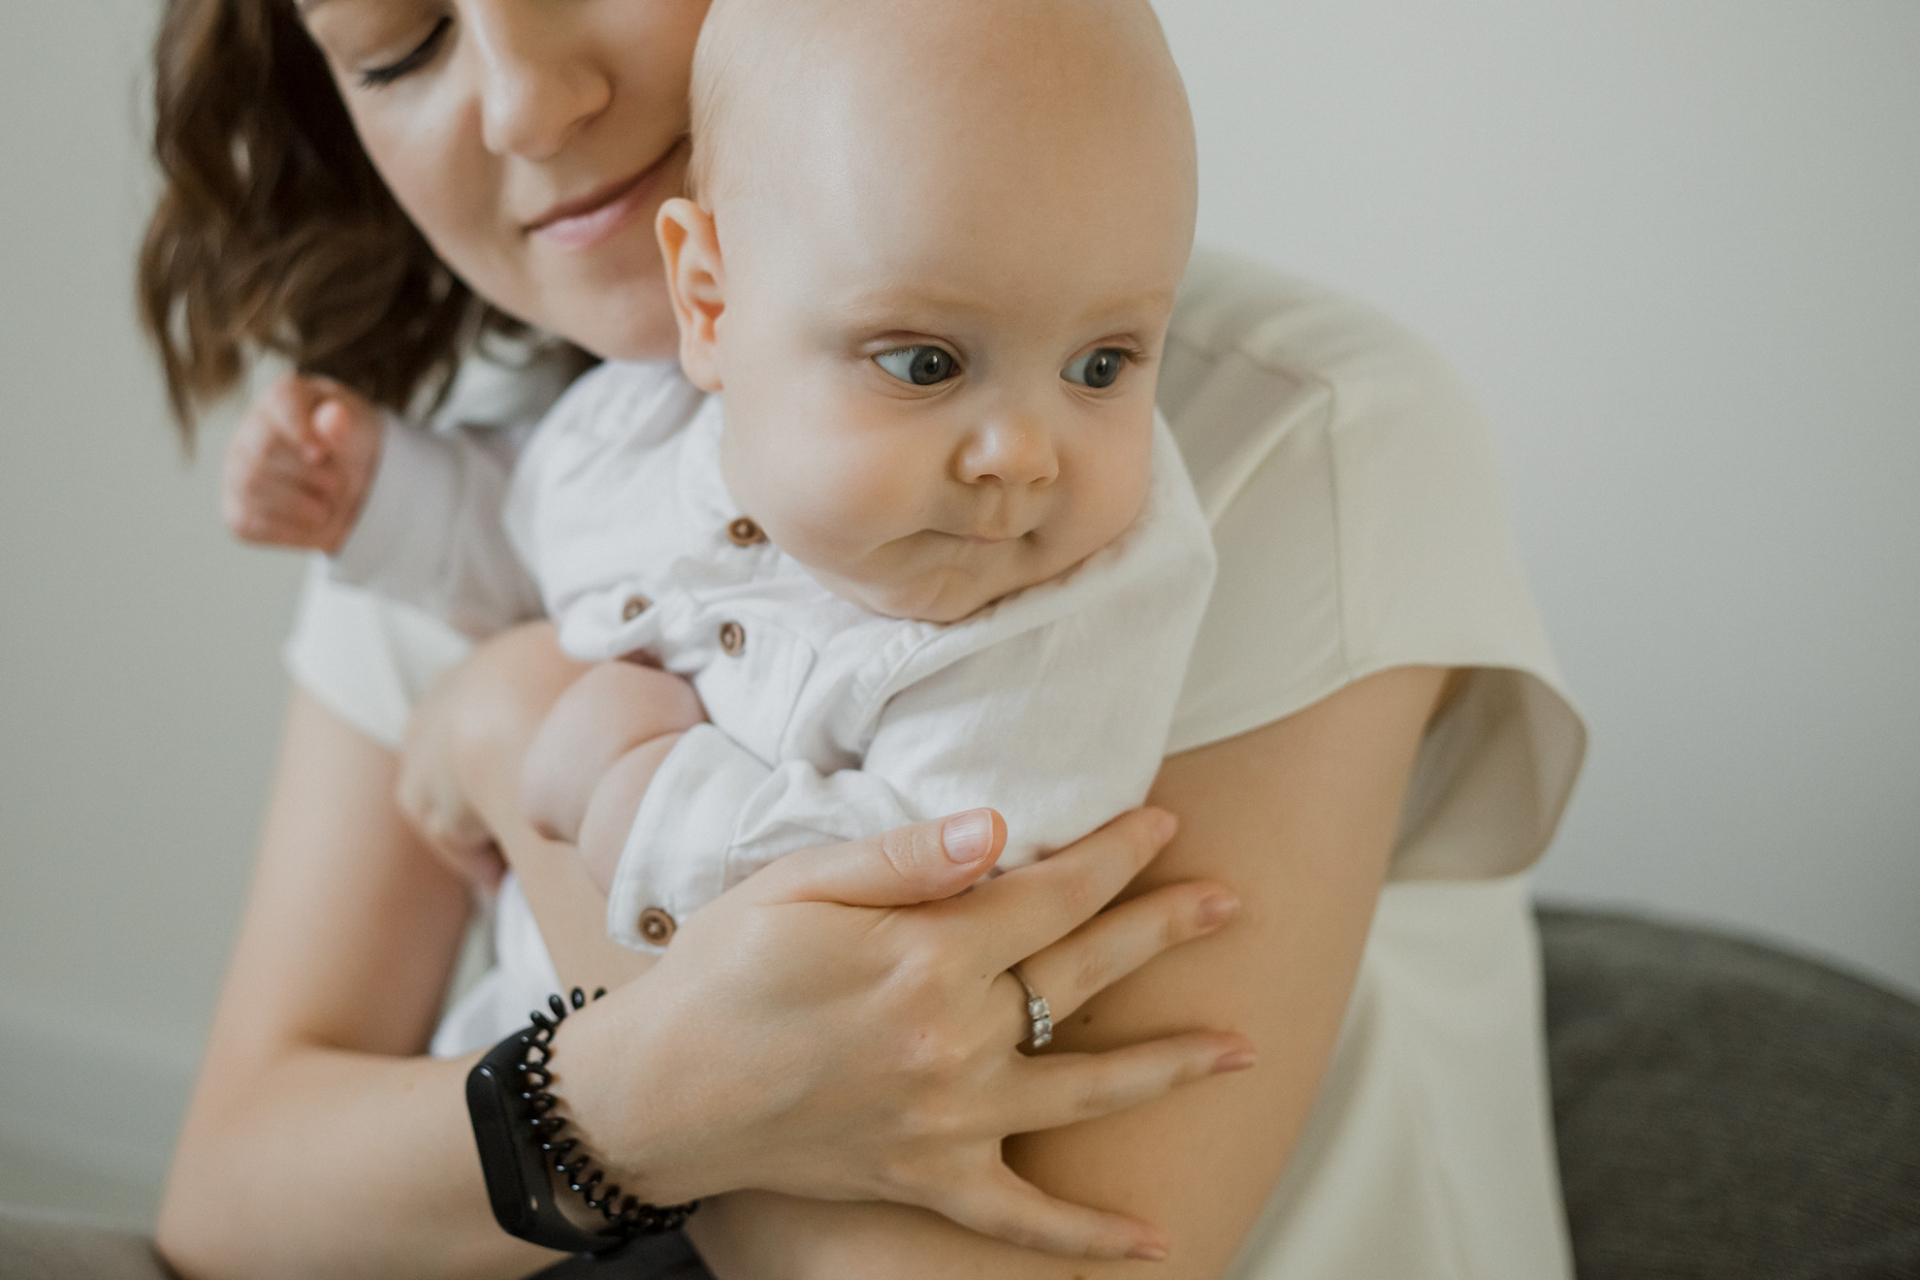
931 404
940 340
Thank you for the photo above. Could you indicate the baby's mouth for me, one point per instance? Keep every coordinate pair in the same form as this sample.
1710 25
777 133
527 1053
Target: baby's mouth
991 537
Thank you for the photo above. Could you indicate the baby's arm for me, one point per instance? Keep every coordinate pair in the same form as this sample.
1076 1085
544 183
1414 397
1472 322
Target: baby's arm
1059 727
595 754
411 514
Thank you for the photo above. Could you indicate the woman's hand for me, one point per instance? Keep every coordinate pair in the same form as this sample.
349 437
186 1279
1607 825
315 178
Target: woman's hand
499 694
812 1032
840 1025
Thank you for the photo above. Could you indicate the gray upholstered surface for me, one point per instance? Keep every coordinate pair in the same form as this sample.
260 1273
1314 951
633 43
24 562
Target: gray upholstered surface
662 1258
1726 1110
34 1247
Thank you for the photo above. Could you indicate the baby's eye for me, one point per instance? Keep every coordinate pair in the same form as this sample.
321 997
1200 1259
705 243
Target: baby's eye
922 366
1098 369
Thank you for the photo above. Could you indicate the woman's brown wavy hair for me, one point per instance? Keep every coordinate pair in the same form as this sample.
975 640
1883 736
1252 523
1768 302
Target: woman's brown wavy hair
273 232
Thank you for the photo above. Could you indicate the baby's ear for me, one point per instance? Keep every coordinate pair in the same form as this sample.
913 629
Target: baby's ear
696 280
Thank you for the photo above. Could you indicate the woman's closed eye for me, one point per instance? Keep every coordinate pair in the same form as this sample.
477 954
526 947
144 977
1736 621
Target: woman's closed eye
1099 368
412 60
921 366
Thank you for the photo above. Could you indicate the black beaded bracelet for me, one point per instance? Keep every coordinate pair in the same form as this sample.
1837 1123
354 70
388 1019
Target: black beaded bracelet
512 1106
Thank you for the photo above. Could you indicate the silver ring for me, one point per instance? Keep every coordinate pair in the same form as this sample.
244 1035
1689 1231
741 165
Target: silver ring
1039 1016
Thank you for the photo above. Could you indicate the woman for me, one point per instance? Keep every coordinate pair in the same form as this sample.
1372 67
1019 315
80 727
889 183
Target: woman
1371 699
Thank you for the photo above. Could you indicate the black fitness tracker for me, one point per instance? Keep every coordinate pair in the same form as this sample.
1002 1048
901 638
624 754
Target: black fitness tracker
510 1103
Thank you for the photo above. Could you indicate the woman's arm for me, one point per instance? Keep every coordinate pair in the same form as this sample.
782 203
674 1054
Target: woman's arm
460 782
1299 817
317 1143
857 1019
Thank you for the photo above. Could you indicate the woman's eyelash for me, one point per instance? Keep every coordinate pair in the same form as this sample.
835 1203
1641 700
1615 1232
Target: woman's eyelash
379 77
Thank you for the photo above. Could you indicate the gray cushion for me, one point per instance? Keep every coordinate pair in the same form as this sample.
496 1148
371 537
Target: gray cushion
1727 1110
668 1257
35 1247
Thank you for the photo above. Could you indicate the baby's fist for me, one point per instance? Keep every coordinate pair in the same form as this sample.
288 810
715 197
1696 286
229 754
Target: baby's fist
299 466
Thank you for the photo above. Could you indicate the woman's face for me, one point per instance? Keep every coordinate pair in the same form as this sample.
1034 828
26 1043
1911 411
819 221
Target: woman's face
532 143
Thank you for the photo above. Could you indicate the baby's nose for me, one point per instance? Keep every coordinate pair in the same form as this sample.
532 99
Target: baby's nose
1013 451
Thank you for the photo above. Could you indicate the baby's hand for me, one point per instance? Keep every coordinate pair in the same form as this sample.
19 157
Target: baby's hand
300 464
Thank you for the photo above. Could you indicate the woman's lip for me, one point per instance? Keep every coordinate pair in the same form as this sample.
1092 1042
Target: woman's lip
582 223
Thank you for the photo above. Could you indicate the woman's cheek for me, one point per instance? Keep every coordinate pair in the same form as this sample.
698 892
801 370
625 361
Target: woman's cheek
447 195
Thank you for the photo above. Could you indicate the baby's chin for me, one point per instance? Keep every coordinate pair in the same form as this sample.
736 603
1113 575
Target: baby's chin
943 597
952 590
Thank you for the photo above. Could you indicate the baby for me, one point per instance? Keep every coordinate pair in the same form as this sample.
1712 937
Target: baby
914 540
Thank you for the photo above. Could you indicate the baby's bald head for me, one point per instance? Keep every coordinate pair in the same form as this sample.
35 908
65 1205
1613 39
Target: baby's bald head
1014 94
933 258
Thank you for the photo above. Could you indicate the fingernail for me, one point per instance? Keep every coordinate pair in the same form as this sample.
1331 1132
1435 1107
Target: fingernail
1148 1253
968 837
1216 909
1235 1060
1164 825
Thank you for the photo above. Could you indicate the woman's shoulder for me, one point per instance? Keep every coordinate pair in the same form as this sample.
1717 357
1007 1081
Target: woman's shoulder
1356 503
1350 482
1255 356
1234 307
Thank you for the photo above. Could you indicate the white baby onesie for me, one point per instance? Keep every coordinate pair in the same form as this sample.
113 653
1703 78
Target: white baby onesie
827 722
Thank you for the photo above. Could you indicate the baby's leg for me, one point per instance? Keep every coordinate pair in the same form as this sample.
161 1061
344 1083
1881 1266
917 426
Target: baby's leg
597 750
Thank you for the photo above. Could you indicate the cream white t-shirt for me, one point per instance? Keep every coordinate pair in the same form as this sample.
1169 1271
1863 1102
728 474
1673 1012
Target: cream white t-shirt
1359 524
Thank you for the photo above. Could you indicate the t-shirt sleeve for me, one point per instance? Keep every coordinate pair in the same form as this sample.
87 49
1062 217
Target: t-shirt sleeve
364 657
368 654
1356 507
430 532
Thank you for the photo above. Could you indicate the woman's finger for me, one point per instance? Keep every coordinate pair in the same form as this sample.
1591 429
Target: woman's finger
1065 1088
477 863
921 863
1117 941
1035 906
1006 1207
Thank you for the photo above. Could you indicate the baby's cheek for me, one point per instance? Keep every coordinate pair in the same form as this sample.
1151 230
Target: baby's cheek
1116 489
875 490
812 508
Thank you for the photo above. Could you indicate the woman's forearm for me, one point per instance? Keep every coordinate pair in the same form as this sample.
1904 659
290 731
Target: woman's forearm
839 1025
1299 818
317 1145
333 1163
504 694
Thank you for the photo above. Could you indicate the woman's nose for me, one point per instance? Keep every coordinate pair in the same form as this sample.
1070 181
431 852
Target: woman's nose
538 80
1011 451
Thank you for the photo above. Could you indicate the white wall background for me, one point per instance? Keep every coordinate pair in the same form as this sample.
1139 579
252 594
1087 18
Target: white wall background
1676 248
1675 244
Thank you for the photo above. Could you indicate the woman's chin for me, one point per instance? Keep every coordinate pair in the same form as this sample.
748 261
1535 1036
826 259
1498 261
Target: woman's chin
620 326
611 302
